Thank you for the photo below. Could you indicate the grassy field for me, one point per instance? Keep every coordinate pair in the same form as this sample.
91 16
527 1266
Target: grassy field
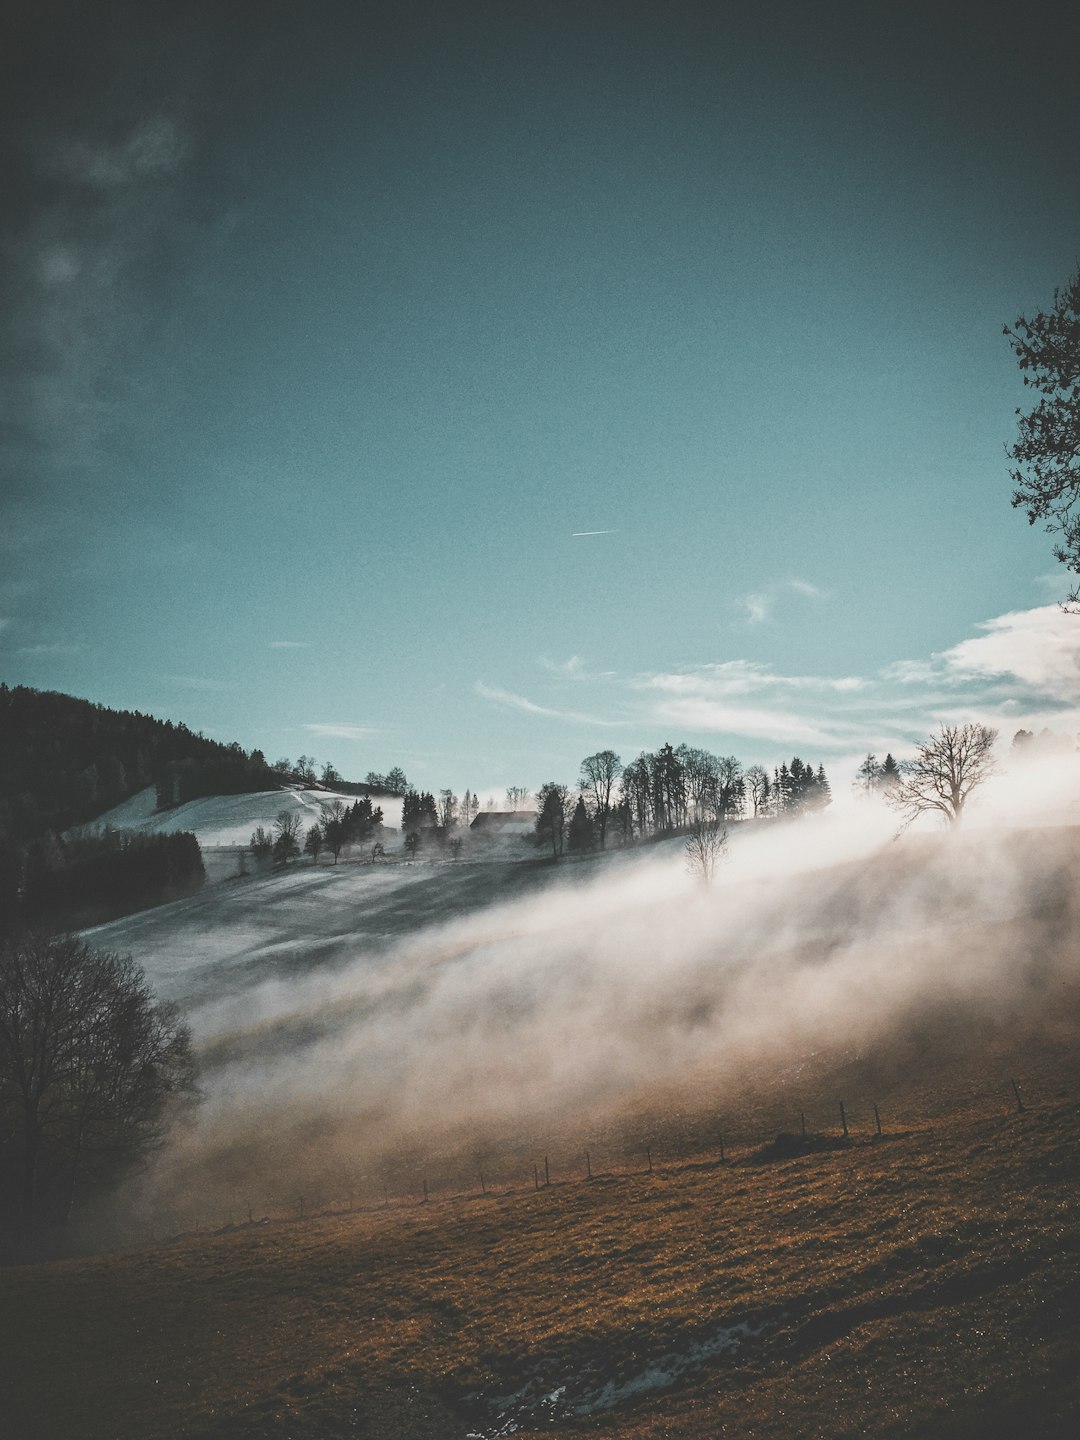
921 1283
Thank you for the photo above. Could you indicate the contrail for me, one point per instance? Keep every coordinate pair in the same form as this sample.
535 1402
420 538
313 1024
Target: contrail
577 534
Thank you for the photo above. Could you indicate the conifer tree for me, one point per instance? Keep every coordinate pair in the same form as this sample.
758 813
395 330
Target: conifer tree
580 836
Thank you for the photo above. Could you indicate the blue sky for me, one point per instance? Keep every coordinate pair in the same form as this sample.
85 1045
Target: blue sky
331 327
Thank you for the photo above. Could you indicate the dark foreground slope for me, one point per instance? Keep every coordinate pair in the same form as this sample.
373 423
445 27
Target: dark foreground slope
921 1283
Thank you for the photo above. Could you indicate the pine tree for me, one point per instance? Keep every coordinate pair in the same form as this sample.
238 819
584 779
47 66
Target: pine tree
580 837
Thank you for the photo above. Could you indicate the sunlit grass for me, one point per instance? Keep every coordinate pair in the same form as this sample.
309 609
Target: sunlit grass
899 1285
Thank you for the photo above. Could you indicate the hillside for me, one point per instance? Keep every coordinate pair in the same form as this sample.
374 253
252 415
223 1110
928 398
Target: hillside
228 820
64 760
492 1149
924 1283
369 1018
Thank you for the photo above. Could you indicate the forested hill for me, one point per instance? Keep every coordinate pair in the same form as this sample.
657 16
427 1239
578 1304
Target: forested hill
64 761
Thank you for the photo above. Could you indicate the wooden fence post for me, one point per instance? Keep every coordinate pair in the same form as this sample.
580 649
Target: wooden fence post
1019 1102
877 1119
802 1123
547 1172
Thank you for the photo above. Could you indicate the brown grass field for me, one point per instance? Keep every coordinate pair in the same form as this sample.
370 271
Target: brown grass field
922 1283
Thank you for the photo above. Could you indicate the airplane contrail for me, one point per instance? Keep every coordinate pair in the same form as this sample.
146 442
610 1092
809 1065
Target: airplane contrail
577 534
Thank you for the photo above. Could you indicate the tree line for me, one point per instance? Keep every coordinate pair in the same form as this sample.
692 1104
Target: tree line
666 790
69 883
339 826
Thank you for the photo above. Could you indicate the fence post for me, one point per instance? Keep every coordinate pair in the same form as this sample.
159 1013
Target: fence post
588 1165
648 1153
483 1187
877 1119
547 1172
536 1179
802 1123
1019 1102
843 1119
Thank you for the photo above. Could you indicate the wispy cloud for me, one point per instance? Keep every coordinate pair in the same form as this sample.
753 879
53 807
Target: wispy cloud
57 649
698 713
757 606
327 730
573 668
804 587
288 644
741 677
583 534
511 701
1019 669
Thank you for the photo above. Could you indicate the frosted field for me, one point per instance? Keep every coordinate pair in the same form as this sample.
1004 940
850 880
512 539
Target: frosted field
243 932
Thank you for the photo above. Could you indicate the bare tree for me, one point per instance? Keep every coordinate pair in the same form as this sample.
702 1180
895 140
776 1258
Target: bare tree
88 1066
946 771
705 847
598 775
288 828
335 826
314 843
516 795
757 787
448 809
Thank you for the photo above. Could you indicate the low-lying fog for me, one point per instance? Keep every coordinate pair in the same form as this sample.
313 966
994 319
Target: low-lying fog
350 1022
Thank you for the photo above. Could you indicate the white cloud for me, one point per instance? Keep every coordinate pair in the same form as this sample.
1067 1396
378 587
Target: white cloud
1020 670
1040 648
571 669
328 731
288 644
756 608
742 677
699 713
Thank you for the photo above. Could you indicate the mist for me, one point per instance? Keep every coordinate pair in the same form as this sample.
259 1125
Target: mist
611 988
